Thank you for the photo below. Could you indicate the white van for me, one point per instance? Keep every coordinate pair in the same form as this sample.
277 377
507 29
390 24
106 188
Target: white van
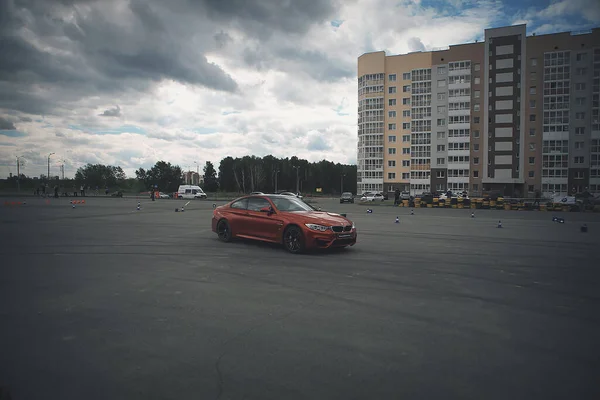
190 192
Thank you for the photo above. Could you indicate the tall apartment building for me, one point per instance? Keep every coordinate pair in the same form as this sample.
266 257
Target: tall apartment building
512 114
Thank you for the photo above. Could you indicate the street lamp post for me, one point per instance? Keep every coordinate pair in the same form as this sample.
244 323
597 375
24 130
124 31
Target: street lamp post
276 176
297 178
342 183
48 177
19 173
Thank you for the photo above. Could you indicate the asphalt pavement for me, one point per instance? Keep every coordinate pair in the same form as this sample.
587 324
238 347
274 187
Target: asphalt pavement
103 301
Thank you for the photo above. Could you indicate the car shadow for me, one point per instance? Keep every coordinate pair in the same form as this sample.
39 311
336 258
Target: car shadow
279 247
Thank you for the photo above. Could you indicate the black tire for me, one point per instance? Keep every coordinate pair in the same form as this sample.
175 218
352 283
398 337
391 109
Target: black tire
293 240
224 231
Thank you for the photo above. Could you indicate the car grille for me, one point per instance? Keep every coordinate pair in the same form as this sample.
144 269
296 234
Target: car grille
346 228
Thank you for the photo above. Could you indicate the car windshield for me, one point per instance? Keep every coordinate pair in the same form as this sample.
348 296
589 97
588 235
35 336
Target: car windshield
346 194
290 204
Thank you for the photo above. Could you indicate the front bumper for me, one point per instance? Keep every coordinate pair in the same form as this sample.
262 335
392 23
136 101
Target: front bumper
324 240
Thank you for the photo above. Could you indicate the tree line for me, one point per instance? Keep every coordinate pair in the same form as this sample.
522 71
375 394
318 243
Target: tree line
240 175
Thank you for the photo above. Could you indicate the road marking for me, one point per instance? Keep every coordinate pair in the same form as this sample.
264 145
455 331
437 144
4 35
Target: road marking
187 203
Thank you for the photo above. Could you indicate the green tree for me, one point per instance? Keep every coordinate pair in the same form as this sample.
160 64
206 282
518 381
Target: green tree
99 175
211 184
168 177
226 177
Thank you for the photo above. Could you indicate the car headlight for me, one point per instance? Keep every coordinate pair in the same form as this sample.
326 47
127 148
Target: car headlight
353 226
316 227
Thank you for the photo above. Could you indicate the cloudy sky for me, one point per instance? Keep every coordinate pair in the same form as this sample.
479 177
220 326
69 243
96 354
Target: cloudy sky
129 82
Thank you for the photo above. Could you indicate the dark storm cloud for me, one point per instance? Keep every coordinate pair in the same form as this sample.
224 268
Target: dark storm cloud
112 112
222 39
6 125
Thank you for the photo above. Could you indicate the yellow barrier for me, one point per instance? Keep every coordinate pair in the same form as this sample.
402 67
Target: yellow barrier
507 207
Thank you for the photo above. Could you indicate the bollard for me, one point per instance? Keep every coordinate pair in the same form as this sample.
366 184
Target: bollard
397 220
499 224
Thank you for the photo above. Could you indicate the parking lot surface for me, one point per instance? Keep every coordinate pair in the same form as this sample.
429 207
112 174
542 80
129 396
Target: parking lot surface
107 302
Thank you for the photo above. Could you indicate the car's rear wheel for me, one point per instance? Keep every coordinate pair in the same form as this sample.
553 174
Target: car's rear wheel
224 231
293 240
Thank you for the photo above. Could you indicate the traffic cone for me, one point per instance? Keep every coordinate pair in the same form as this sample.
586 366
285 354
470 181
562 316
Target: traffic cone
472 215
412 212
182 209
72 205
397 220
138 207
499 224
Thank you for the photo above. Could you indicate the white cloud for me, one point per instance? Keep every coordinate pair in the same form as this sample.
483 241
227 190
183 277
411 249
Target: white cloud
209 88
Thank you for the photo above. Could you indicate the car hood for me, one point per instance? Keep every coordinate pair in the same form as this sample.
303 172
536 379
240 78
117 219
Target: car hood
322 218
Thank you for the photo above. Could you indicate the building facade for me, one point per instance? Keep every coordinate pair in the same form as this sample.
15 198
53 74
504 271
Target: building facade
514 114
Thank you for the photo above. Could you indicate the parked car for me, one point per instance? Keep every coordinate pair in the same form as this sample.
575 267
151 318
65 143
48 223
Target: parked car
162 195
372 197
346 197
282 219
291 194
404 196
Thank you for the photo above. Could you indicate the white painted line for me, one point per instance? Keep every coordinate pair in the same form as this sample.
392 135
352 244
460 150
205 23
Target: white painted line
188 203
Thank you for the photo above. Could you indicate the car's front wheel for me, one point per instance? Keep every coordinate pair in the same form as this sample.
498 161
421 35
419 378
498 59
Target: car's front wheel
293 240
224 231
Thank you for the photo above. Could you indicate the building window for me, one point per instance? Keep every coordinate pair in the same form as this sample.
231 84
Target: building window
441 174
476 120
531 103
441 83
406 76
578 145
531 160
476 80
392 127
531 146
580 86
405 150
581 56
441 70
441 147
534 62
531 117
392 89
441 122
476 133
532 90
441 96
581 71
391 114
476 160
530 188
580 130
392 139
578 160
580 115
579 175
441 109
391 175
531 131
475 174
477 67
392 77
405 175
441 135
531 174
406 138
391 163
406 88
441 161
406 113
391 102
391 150
476 107
475 146
406 125
477 94
580 101
406 163
406 101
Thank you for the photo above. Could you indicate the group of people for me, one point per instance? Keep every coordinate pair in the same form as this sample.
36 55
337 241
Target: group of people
44 191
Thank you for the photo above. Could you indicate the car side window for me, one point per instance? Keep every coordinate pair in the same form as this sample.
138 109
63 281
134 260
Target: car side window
240 204
256 203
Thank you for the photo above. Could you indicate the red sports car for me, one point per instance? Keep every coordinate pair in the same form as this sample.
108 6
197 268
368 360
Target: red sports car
282 219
